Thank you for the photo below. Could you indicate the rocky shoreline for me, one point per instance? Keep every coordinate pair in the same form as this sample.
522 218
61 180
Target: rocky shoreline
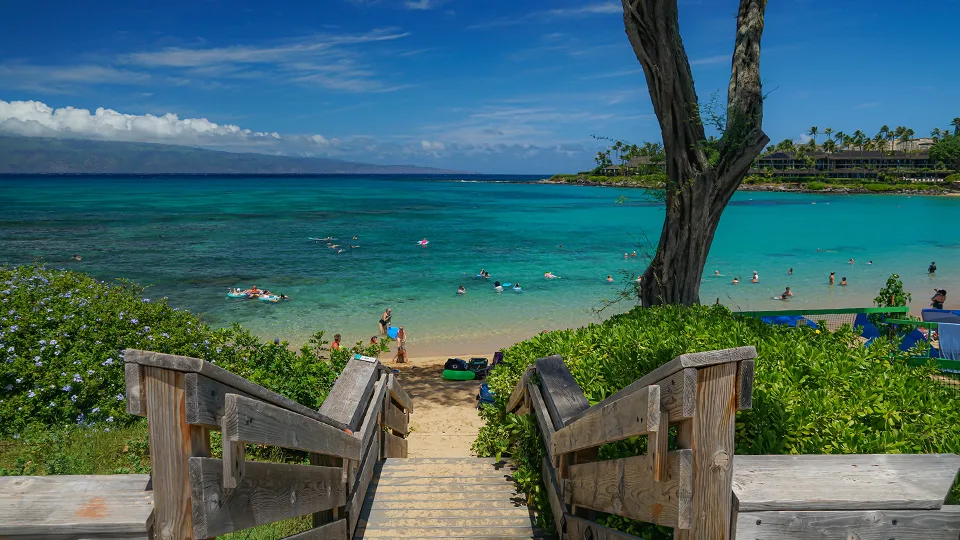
779 188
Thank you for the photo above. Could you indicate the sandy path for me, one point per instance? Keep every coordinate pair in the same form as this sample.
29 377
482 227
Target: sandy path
444 422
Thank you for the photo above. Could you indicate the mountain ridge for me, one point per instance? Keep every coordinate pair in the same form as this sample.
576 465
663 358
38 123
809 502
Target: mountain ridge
43 155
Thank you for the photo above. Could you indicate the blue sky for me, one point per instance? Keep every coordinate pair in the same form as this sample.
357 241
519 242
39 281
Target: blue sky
489 86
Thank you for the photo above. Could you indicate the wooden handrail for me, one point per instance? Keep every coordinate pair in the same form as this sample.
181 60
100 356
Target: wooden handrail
689 488
364 419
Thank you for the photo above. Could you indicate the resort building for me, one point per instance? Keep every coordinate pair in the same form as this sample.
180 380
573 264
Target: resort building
849 165
634 166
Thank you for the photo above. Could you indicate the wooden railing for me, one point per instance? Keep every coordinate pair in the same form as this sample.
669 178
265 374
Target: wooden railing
364 419
688 488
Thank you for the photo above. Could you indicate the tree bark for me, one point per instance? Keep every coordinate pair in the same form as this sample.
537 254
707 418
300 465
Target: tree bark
702 175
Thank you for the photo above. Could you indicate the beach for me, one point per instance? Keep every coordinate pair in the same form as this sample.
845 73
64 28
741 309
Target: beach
189 239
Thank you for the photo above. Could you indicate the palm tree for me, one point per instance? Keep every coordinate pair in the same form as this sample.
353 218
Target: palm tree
898 134
847 142
839 137
813 132
884 129
936 134
956 126
828 132
905 138
858 139
878 142
829 146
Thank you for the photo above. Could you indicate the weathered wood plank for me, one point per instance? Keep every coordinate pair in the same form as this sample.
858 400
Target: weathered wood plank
483 533
371 417
186 364
637 413
627 487
205 400
713 446
256 422
561 393
553 493
170 451
516 398
678 394
350 394
233 448
539 410
358 491
662 444
268 492
400 395
843 482
133 379
395 447
581 529
850 524
115 506
396 419
745 384
331 531
698 360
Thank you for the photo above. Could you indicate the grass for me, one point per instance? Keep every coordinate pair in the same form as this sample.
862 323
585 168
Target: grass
76 451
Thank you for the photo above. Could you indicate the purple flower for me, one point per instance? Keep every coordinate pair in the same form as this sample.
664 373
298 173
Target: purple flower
73 398
31 393
67 388
53 342
43 342
77 377
119 397
134 321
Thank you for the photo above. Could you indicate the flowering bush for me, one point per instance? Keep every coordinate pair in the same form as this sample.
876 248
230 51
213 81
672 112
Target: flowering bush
62 333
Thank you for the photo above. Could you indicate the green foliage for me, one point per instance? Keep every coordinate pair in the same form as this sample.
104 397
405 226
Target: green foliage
815 391
947 150
953 178
816 186
76 450
880 188
62 333
892 294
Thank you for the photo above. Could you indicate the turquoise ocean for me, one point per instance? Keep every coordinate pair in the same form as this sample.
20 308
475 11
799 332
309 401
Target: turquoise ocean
190 238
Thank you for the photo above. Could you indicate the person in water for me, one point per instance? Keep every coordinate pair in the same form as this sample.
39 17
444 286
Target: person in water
461 290
355 237
735 281
76 257
932 269
336 342
373 340
716 272
516 286
850 261
609 278
938 299
483 272
496 284
790 272
833 277
756 277
401 337
843 281
634 254
869 263
786 294
385 321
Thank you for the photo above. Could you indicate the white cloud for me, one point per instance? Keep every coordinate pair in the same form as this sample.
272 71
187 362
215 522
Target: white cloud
60 79
422 5
602 8
709 60
431 146
34 118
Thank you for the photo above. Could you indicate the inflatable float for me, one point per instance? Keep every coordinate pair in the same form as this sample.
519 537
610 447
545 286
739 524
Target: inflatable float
237 295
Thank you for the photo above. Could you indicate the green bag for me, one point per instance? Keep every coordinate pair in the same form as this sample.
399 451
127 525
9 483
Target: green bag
453 375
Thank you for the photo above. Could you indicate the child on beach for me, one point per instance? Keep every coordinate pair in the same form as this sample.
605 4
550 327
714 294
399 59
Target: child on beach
336 342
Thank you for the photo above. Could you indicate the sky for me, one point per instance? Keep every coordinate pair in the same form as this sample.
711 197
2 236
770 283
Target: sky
489 86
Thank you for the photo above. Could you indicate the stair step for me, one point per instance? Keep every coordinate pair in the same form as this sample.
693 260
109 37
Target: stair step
463 521
452 512
457 469
440 488
451 532
440 461
466 504
502 480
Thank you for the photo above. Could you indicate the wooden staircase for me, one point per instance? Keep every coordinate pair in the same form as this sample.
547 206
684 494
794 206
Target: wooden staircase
445 498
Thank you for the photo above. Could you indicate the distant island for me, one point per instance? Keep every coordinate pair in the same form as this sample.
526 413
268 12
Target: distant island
38 155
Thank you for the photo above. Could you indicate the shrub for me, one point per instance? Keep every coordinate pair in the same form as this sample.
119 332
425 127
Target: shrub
879 188
815 392
62 333
816 186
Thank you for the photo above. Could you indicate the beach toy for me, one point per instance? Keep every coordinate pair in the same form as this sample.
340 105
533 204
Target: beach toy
270 298
456 375
506 284
423 242
455 364
236 295
392 332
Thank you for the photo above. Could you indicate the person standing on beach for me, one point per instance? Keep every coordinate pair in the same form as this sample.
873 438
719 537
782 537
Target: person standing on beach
936 302
401 337
385 321
833 277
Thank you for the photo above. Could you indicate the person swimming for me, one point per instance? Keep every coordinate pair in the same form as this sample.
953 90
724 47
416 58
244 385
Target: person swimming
756 277
786 294
850 261
716 272
516 287
843 282
634 254
497 286
735 281
76 257
550 275
869 263
790 272
423 242
609 278
461 290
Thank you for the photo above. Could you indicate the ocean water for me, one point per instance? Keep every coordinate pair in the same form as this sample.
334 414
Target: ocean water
190 238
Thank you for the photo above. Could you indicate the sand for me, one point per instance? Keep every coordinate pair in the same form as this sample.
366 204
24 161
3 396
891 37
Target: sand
444 422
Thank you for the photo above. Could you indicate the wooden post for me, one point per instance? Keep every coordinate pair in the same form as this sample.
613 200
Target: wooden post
710 434
327 516
172 443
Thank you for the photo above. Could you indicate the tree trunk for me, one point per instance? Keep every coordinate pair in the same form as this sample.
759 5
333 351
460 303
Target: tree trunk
702 175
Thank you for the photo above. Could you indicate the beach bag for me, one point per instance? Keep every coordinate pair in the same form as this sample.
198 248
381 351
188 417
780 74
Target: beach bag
485 395
455 364
458 375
